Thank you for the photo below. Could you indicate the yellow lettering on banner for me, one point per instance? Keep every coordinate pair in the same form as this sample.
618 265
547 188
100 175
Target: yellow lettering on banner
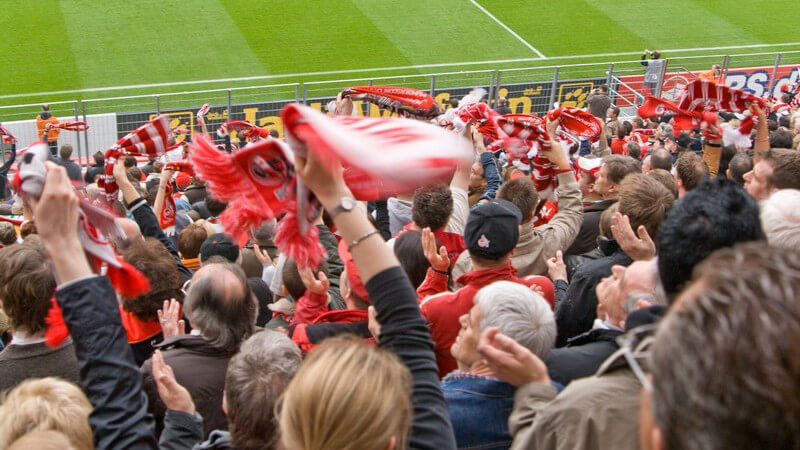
358 106
272 123
250 114
503 92
316 106
443 98
525 102
573 95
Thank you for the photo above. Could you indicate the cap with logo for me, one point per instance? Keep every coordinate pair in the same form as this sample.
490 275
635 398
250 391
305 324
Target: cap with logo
492 229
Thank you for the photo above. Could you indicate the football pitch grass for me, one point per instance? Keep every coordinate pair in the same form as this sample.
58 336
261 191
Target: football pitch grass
79 49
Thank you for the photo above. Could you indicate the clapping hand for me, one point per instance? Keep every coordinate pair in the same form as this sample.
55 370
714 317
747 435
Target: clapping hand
440 261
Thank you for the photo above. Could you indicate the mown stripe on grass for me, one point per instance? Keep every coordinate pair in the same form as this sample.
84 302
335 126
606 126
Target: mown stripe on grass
34 49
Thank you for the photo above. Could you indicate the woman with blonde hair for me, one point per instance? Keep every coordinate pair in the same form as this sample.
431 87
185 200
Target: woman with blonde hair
46 404
349 395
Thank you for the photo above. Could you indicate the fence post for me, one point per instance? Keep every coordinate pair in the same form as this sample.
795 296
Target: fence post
85 133
433 85
726 62
610 75
774 76
297 92
553 89
230 102
497 78
77 137
369 82
158 104
490 93
305 94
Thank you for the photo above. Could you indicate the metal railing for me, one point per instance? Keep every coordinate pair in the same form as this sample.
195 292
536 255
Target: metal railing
527 89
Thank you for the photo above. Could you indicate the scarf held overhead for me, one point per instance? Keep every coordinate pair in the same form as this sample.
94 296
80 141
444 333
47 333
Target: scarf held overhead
406 102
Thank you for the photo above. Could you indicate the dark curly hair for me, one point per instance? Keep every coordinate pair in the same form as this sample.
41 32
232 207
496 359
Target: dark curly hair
432 206
152 259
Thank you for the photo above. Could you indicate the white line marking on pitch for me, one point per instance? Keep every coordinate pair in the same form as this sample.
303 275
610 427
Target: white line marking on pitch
378 69
505 27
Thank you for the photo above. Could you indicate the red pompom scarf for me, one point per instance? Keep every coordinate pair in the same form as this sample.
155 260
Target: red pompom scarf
700 95
380 156
406 102
94 224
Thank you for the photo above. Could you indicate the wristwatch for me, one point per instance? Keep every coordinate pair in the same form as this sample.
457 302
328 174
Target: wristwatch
347 204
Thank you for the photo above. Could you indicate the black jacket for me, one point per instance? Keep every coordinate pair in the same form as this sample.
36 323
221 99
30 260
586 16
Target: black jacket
586 240
582 356
4 171
109 376
198 367
405 333
73 170
576 314
92 172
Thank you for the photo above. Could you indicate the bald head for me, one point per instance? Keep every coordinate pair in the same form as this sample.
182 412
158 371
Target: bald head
661 158
131 228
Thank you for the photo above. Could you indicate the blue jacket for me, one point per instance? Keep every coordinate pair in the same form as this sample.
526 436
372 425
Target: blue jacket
479 409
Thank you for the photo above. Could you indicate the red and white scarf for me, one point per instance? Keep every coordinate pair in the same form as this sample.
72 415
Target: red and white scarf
166 217
72 126
684 119
701 95
406 102
248 130
148 140
380 156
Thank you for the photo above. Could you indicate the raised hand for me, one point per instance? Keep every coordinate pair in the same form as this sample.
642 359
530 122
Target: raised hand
373 325
639 248
318 285
510 361
556 268
169 316
262 256
439 260
174 396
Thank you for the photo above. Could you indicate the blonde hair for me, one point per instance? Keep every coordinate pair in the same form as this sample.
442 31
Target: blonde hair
46 404
208 226
43 440
347 395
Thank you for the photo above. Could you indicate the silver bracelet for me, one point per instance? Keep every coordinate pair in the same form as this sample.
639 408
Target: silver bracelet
361 238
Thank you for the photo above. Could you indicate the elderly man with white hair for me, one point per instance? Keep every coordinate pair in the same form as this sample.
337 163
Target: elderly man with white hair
479 403
780 218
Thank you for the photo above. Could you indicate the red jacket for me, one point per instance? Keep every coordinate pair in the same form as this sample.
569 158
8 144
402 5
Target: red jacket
312 311
442 308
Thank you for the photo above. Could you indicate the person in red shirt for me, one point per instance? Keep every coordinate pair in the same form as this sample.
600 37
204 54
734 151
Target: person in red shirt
490 235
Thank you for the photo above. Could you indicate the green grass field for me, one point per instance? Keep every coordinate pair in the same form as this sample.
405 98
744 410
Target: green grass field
79 49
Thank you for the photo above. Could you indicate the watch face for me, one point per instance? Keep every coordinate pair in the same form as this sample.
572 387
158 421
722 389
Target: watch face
347 203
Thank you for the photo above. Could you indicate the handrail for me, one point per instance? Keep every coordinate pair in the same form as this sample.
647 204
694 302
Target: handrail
635 92
687 71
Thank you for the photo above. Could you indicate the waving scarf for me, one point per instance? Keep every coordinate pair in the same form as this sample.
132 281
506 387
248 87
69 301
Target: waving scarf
406 102
701 95
72 126
148 140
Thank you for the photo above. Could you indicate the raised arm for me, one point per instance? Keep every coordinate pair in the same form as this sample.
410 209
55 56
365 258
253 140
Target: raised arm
403 330
158 204
109 375
762 135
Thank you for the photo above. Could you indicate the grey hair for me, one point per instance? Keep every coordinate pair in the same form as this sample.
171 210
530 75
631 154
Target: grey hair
655 296
225 318
780 218
520 314
255 380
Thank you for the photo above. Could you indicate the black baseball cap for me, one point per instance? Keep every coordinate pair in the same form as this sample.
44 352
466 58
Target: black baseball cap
219 244
492 229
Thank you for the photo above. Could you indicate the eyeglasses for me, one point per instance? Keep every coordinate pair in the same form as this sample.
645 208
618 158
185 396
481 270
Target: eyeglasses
631 344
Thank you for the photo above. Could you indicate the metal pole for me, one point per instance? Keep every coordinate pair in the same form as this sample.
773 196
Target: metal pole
305 94
78 137
610 75
490 95
774 76
497 85
433 85
158 104
85 132
230 109
369 82
297 92
726 62
553 89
